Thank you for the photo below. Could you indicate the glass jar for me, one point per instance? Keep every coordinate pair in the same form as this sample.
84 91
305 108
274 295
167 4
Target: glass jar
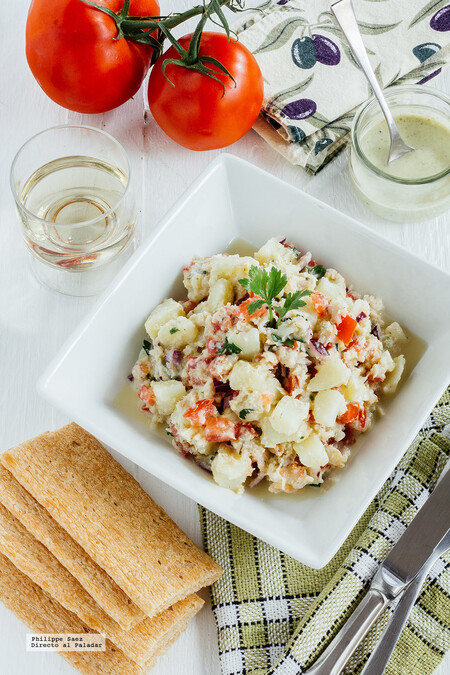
393 198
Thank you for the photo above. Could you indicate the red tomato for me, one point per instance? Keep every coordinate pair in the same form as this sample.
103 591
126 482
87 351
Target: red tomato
196 113
200 412
320 303
73 53
146 395
350 414
220 430
346 329
241 311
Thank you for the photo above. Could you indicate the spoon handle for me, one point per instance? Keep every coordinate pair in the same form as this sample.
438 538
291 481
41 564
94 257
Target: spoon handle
345 16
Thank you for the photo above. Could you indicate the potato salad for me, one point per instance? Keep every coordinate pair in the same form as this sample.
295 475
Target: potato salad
268 370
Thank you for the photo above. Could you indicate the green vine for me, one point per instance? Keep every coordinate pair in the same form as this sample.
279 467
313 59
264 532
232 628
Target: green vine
154 30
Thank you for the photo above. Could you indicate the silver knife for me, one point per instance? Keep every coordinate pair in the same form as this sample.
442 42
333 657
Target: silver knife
407 559
385 646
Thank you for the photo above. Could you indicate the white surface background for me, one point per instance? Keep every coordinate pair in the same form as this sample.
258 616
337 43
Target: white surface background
34 322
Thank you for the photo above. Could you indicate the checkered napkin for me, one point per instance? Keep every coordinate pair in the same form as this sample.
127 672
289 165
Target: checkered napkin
312 83
275 616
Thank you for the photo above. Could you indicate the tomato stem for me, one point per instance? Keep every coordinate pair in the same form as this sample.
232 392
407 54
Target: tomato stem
143 29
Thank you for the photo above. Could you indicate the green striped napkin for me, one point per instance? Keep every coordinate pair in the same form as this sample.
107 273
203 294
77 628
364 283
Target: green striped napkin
275 616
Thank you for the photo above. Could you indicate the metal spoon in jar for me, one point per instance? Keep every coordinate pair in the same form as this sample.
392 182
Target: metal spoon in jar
345 16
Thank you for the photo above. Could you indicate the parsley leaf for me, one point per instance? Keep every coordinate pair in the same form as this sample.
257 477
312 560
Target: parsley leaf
229 348
147 346
244 412
265 284
288 342
174 330
292 301
268 285
317 271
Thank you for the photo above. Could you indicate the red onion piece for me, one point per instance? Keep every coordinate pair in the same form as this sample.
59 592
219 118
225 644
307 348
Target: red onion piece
376 330
222 387
319 347
361 316
255 481
130 377
173 357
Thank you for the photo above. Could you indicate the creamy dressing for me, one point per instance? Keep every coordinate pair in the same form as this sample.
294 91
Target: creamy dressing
428 136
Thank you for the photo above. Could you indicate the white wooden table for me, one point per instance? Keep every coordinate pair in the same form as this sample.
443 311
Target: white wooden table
34 322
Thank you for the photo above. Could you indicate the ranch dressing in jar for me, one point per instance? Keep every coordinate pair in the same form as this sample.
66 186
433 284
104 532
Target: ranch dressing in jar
416 186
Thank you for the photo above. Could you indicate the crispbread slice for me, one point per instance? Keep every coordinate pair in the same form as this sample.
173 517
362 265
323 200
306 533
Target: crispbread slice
91 576
33 559
107 512
40 612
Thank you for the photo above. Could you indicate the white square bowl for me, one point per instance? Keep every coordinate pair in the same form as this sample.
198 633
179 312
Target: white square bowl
235 199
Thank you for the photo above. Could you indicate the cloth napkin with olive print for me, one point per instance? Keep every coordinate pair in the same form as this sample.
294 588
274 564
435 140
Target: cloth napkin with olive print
275 616
312 83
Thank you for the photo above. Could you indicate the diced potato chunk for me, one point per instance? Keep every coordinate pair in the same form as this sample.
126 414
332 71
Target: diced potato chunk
331 290
167 310
221 294
356 389
288 415
247 341
331 373
230 469
274 251
395 332
271 437
167 394
252 377
393 378
311 452
178 333
233 267
328 404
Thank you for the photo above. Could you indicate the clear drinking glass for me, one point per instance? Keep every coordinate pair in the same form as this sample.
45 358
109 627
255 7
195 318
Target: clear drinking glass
71 185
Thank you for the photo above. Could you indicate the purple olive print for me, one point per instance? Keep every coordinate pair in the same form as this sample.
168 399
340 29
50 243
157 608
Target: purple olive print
282 2
297 134
327 52
321 145
426 79
441 20
424 51
303 53
299 110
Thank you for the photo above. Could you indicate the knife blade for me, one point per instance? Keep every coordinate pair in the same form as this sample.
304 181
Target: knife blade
406 559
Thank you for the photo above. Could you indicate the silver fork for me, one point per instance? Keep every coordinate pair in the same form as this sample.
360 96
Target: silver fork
345 16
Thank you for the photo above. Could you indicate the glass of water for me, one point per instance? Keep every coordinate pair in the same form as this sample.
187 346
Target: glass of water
71 185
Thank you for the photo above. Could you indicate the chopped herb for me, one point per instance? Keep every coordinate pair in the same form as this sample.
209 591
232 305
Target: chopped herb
174 330
268 285
315 484
311 397
288 342
150 377
337 346
169 433
292 301
147 346
317 271
229 348
265 284
244 412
